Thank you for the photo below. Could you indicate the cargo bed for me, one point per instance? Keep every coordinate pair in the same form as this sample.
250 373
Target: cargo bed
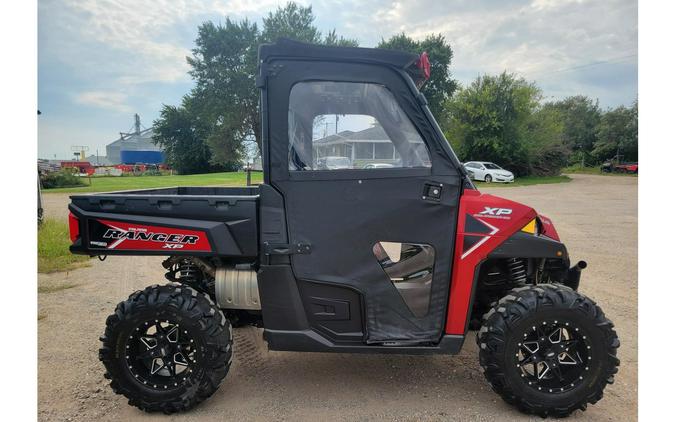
215 221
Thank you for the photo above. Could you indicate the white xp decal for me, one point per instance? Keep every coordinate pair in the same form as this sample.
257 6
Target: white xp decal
496 211
172 246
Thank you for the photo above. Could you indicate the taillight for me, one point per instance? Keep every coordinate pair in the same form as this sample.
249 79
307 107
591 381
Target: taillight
424 65
74 227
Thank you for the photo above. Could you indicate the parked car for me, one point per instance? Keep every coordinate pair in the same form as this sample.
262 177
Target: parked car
488 172
333 163
614 167
378 166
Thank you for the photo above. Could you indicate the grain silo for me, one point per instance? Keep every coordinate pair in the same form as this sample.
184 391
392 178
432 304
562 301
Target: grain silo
135 147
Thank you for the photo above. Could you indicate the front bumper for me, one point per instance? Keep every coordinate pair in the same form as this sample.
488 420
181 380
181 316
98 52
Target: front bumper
504 179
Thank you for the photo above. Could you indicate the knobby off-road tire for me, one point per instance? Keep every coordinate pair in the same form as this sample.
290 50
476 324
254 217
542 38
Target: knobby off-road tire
569 334
166 348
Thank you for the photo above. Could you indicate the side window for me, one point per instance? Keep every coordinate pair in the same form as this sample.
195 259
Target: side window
350 125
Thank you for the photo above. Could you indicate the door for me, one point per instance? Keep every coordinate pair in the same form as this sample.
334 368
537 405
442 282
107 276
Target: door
478 171
370 191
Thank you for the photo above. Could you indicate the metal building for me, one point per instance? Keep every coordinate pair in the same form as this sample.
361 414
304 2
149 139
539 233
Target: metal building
135 147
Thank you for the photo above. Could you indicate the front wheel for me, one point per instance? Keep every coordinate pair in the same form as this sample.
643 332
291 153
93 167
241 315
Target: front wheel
548 350
488 178
166 348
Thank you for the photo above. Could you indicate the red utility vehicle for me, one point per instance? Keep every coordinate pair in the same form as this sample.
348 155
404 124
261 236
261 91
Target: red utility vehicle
403 258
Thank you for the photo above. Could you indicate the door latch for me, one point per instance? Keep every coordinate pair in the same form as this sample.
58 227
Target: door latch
432 191
286 248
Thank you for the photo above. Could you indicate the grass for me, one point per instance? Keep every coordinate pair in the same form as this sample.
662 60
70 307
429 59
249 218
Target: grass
592 170
113 183
526 181
582 170
53 253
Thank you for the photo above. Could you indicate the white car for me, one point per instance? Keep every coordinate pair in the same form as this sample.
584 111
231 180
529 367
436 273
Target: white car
378 166
488 172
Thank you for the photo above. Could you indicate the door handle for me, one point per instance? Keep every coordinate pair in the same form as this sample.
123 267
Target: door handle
432 191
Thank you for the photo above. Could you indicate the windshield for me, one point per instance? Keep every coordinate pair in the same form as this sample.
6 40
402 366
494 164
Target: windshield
492 166
355 123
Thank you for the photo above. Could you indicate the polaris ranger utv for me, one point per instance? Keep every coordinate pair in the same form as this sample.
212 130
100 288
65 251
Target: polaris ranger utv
400 256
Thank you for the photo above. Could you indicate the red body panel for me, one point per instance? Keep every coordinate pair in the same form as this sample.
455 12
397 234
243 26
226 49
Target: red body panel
141 237
484 222
547 228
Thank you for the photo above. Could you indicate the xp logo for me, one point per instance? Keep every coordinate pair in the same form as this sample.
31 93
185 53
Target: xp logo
496 211
172 246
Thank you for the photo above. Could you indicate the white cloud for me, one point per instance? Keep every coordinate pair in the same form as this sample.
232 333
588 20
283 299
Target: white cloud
140 36
537 39
109 100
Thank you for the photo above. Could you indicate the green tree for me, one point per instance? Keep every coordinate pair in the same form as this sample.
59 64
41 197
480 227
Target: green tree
224 102
292 21
333 39
544 143
440 85
183 139
488 120
225 98
618 134
580 117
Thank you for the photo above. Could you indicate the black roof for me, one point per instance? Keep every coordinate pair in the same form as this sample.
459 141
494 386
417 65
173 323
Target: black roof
286 48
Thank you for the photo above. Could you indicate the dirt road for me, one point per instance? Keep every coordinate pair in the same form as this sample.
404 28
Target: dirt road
595 215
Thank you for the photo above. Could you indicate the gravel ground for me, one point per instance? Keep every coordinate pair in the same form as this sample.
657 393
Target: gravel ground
595 215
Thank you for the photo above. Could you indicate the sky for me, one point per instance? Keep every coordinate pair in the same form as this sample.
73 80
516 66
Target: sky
101 61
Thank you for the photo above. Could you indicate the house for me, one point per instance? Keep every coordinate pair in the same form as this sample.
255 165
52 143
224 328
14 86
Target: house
371 145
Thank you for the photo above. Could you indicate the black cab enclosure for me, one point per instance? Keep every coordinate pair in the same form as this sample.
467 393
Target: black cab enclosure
348 217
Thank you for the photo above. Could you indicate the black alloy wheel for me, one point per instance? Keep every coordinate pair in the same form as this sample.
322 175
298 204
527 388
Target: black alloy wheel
161 355
166 348
553 356
548 350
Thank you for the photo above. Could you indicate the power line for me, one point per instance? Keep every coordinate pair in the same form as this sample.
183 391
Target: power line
584 66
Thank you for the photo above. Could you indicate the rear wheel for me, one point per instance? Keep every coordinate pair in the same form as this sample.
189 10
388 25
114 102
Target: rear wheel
166 348
488 178
548 350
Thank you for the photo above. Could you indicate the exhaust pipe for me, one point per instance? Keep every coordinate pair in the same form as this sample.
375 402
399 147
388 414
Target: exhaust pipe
581 265
574 275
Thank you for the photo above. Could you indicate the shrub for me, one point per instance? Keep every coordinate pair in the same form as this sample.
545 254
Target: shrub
152 172
548 160
61 179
